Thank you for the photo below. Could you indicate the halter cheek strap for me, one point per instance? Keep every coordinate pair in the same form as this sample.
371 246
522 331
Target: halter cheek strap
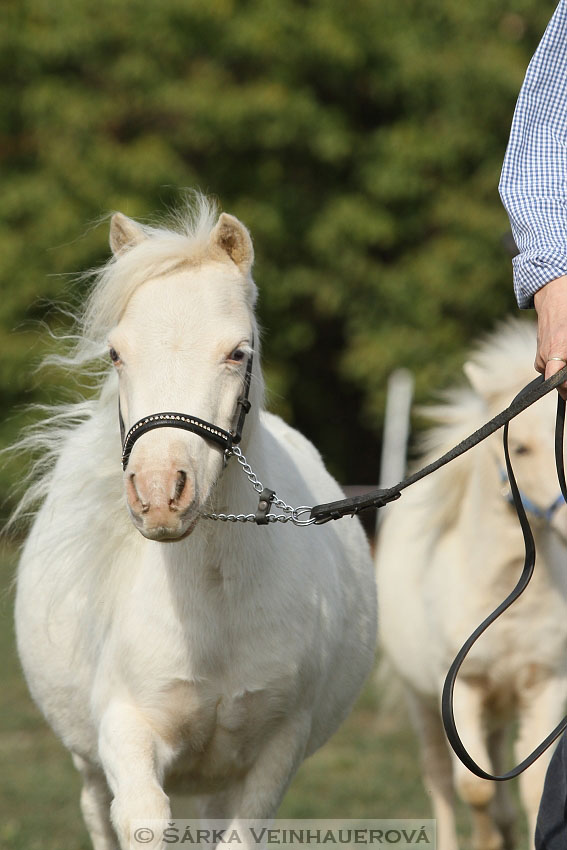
213 433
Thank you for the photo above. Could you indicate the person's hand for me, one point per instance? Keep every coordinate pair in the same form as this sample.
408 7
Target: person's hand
551 307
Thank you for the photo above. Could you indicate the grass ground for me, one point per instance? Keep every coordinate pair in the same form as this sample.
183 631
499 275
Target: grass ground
368 770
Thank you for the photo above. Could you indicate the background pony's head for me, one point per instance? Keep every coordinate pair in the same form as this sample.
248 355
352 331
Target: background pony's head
499 367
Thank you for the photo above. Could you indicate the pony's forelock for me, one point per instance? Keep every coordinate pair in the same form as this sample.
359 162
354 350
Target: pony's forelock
503 360
184 241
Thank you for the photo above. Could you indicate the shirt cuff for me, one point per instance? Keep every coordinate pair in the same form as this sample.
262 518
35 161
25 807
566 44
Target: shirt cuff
531 272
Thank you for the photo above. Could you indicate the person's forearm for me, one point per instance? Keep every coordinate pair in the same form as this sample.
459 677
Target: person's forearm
532 184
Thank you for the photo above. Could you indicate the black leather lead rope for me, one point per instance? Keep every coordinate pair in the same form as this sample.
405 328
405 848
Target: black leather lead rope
535 390
334 510
525 577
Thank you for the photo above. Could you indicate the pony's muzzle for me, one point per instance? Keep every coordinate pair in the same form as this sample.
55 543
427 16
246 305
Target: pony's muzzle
160 500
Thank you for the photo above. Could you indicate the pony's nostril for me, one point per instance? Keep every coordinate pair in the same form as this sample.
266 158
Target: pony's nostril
179 485
135 495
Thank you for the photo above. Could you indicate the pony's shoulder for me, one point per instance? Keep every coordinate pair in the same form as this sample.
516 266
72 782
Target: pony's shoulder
295 459
289 436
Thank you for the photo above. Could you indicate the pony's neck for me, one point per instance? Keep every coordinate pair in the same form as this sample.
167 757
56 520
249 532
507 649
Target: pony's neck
220 562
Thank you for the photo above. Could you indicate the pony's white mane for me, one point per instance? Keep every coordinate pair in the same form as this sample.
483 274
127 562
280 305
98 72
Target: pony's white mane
112 285
500 365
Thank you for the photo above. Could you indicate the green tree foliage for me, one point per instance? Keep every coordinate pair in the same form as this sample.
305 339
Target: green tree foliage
360 140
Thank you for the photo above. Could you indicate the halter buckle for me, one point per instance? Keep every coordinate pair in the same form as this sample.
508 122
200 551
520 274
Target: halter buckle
265 502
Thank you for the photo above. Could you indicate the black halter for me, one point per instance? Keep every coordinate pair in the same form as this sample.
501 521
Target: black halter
213 433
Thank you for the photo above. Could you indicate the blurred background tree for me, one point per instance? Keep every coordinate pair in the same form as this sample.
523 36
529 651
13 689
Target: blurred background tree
360 140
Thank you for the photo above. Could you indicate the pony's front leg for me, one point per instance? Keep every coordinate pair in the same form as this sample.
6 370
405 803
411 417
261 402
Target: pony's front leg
541 706
95 804
262 789
133 757
259 793
436 767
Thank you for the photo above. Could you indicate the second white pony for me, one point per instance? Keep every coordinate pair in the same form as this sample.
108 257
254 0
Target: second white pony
449 551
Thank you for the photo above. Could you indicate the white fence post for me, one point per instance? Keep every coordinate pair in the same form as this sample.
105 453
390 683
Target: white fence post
396 431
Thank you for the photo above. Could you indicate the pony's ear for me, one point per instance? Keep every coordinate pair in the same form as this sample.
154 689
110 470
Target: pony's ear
229 238
124 233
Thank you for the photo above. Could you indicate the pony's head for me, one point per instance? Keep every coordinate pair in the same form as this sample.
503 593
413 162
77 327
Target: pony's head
181 342
501 366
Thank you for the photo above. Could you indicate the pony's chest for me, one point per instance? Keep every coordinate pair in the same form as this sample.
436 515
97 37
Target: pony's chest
210 696
212 686
215 733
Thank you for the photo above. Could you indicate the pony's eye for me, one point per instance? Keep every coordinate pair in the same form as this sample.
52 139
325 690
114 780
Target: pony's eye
237 356
114 356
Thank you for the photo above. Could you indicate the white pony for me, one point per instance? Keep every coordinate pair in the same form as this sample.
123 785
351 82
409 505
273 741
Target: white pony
217 655
449 551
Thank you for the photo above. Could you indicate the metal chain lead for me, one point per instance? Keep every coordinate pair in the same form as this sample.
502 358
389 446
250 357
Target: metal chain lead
290 514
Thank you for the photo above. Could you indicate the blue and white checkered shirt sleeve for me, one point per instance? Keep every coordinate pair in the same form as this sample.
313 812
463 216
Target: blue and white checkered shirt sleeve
533 183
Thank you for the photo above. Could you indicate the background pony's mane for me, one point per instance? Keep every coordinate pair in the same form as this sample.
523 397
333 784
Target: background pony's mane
499 366
185 241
